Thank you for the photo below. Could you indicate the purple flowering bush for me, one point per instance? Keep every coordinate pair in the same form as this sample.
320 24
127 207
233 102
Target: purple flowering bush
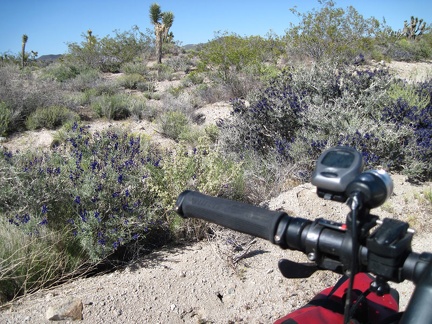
308 109
95 185
103 196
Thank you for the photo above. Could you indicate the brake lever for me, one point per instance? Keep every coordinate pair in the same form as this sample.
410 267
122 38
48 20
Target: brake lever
295 270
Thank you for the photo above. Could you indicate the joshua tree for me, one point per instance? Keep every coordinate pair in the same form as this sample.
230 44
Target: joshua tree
415 28
162 22
91 40
23 54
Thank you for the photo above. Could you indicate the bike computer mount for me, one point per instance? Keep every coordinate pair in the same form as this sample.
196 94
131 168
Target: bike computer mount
335 169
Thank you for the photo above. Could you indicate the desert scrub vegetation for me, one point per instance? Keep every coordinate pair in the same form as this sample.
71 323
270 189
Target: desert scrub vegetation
5 117
99 196
23 92
239 63
102 196
34 260
305 110
50 117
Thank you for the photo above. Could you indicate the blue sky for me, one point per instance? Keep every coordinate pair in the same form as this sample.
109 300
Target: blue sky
51 24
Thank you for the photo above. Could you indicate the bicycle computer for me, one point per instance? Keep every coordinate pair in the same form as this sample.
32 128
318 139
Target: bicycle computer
336 168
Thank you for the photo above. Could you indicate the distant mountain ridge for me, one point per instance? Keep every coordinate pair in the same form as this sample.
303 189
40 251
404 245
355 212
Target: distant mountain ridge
49 57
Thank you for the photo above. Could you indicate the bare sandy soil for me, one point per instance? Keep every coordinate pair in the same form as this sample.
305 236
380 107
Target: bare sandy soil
202 282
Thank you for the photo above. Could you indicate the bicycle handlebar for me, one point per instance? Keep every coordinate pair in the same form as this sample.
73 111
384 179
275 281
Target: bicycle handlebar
235 215
325 242
385 253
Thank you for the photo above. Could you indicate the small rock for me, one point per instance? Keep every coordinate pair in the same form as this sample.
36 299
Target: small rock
70 309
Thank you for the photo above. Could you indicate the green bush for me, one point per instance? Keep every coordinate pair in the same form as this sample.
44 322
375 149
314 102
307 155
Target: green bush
332 32
135 68
50 117
60 72
173 124
112 106
409 93
109 54
131 81
230 52
202 168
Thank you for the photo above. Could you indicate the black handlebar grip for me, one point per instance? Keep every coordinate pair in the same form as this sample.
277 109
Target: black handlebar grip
235 215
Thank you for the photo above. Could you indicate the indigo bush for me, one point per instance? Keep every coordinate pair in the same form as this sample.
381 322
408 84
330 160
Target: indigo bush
308 109
106 194
95 185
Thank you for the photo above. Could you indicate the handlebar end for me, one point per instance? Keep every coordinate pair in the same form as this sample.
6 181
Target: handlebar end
178 204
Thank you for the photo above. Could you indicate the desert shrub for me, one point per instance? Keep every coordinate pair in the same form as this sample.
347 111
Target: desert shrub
211 93
140 109
103 88
239 64
266 177
203 168
112 106
86 79
230 52
179 63
163 72
5 117
97 196
331 32
93 186
23 93
135 68
50 117
193 78
412 117
411 94
240 84
131 81
109 54
305 110
148 87
60 72
173 124
409 50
